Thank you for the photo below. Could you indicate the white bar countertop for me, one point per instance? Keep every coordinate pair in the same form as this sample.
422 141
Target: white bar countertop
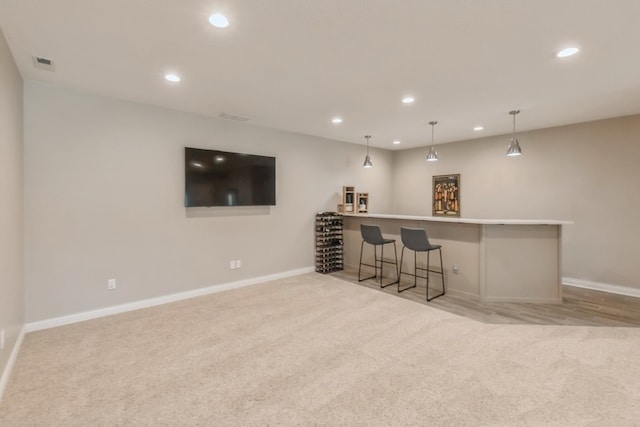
463 220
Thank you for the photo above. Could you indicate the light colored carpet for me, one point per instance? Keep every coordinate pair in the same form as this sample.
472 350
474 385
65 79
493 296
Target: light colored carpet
315 350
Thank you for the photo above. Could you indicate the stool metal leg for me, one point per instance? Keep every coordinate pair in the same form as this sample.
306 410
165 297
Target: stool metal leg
415 270
441 273
381 264
395 253
360 265
427 270
428 253
400 273
377 266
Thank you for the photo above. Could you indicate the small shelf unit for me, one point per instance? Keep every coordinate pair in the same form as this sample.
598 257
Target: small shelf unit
349 199
329 253
362 201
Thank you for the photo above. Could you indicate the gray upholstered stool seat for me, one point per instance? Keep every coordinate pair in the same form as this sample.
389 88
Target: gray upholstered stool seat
416 239
372 235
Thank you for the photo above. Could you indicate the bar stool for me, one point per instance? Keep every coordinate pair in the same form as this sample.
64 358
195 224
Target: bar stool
371 234
416 239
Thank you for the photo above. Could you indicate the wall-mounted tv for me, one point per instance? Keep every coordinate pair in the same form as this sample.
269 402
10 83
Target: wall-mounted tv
221 178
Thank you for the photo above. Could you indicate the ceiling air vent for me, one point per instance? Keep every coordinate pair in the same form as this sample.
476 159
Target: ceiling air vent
43 63
233 117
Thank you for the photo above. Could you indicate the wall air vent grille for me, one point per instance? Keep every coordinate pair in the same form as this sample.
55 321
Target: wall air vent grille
43 63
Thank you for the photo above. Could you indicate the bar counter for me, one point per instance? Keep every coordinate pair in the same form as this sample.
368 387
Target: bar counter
497 260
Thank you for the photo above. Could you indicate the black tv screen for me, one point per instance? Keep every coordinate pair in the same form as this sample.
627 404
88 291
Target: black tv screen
221 178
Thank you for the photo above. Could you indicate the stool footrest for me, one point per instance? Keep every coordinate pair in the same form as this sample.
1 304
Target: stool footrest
405 289
427 269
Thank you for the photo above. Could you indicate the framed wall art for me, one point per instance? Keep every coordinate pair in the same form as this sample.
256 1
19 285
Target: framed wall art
446 195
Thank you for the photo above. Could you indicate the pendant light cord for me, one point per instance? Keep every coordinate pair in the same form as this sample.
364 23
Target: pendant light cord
513 113
433 124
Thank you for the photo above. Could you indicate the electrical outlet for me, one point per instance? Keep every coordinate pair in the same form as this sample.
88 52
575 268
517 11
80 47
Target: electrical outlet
111 284
455 269
232 265
1 339
238 263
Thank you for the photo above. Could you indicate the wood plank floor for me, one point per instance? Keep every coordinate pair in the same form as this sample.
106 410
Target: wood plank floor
580 307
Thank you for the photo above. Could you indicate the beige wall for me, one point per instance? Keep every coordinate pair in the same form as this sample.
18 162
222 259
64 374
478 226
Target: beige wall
11 253
104 191
587 173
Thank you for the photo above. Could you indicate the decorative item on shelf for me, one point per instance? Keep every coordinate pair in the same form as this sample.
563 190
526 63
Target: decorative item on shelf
432 156
367 160
349 204
348 196
363 203
446 195
514 147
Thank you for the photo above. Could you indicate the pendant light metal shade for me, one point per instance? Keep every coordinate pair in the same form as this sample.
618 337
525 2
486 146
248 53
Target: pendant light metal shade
432 156
514 147
367 160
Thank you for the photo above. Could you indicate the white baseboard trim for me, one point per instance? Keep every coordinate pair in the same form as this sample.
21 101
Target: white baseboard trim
4 379
151 302
604 287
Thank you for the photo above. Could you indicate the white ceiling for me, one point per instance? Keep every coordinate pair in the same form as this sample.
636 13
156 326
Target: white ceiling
294 64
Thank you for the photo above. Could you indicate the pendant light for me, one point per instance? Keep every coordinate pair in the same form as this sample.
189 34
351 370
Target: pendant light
514 148
367 160
432 156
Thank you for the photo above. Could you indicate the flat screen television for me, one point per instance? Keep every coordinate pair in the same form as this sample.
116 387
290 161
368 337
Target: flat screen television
221 178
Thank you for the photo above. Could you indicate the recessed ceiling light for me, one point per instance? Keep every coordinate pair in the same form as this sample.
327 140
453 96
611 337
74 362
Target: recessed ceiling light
396 142
336 120
408 100
569 51
477 128
218 20
172 78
